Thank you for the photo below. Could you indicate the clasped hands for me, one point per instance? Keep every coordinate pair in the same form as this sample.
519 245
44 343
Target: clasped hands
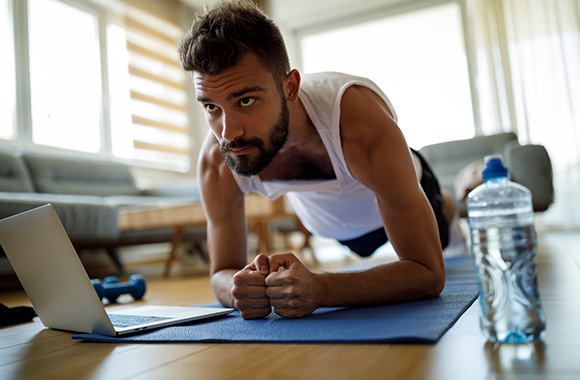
280 281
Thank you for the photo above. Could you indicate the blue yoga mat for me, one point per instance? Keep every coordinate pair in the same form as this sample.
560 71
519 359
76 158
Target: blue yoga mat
420 321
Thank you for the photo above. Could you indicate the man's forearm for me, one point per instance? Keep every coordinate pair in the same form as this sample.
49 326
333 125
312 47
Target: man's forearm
221 284
396 282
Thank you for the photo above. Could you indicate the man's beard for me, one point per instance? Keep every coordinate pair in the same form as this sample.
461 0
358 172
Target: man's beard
245 165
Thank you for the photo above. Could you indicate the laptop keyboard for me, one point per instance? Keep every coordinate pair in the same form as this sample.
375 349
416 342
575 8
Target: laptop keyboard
124 320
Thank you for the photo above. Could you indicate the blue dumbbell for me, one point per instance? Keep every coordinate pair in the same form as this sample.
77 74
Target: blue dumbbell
111 288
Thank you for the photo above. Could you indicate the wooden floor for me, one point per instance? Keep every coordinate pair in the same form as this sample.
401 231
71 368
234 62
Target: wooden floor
29 351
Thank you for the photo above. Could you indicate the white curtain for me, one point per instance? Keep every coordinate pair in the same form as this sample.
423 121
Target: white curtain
528 72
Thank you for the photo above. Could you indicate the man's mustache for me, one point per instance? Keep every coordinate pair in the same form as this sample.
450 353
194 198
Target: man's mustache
241 143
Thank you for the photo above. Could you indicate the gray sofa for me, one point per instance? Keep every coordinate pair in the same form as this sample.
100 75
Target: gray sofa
458 164
87 196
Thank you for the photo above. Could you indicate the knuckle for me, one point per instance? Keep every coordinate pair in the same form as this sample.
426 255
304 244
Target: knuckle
294 304
254 313
240 305
236 292
287 313
246 314
238 278
293 291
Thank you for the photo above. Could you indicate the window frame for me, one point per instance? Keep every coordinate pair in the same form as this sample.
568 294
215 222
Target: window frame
391 10
22 137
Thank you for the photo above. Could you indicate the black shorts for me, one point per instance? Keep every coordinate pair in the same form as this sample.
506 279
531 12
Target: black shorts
368 243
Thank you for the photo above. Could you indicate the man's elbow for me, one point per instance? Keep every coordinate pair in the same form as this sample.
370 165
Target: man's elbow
436 283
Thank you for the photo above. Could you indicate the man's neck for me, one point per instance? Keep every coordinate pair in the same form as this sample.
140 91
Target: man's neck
304 156
301 130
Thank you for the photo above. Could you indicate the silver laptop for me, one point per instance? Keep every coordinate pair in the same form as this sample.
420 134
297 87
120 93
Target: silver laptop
59 288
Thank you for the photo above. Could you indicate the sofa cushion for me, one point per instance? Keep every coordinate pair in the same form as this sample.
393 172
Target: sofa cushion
83 217
14 175
458 164
449 158
531 166
62 175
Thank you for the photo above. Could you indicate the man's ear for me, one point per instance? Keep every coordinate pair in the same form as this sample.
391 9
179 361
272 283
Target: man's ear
292 85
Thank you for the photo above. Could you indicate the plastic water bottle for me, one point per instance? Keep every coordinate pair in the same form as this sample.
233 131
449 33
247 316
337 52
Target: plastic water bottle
504 247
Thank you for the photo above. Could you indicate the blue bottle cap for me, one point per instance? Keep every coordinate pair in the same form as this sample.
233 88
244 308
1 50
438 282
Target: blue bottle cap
494 168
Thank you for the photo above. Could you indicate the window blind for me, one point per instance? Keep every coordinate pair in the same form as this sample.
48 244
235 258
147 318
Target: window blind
158 101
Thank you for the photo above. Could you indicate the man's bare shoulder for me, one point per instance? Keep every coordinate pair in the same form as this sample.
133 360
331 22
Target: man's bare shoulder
364 108
371 139
210 154
211 160
366 120
215 176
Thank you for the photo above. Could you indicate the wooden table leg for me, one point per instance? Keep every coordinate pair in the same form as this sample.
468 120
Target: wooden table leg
175 242
306 244
263 243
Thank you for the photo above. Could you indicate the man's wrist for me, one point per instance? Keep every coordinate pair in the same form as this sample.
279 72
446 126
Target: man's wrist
322 289
222 284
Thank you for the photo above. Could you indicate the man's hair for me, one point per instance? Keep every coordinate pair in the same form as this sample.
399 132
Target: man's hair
225 32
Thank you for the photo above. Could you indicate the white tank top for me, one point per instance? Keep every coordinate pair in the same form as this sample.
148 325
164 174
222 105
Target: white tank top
341 208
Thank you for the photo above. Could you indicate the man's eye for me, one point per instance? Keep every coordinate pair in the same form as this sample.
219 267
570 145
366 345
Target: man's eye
210 107
245 102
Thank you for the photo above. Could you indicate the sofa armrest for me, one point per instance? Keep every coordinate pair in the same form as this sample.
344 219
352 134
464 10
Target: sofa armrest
14 175
83 216
185 188
530 165
68 175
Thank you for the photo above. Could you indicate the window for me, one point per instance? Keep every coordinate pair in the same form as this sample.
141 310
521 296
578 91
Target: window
113 87
65 76
149 119
417 58
7 73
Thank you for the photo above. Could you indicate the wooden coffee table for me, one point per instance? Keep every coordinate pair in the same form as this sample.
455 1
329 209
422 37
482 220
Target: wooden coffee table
259 211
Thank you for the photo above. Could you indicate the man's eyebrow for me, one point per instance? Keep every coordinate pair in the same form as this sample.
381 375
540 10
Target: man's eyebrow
244 91
203 100
234 95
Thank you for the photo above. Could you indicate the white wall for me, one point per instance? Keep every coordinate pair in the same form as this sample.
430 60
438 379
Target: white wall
297 17
304 13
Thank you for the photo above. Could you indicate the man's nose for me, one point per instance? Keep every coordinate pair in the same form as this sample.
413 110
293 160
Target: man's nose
231 127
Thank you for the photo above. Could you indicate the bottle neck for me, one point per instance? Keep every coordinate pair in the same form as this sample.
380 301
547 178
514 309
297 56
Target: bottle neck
497 181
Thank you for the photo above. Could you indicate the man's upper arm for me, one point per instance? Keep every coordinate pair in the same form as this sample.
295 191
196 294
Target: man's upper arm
374 147
378 156
223 203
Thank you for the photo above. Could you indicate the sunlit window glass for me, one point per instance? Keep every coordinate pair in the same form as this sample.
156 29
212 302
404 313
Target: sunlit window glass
149 119
418 59
7 75
65 76
119 88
